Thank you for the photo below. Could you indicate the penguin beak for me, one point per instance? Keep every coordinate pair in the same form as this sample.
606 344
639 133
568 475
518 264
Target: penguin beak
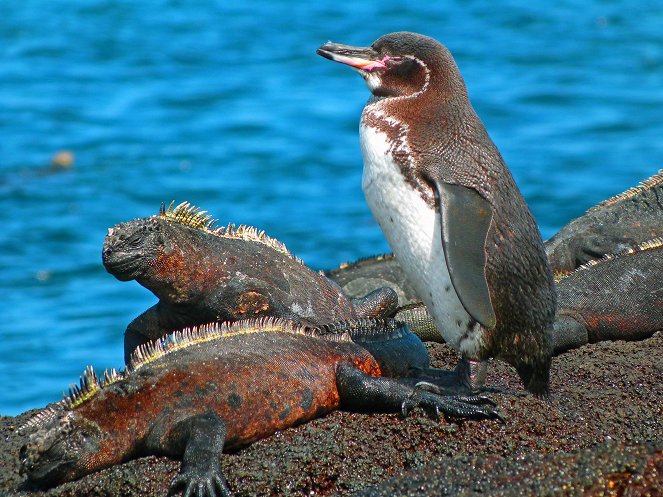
361 58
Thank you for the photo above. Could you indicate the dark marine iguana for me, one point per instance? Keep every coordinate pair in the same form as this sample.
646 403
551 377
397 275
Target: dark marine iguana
383 271
366 274
618 297
623 221
627 220
196 393
201 274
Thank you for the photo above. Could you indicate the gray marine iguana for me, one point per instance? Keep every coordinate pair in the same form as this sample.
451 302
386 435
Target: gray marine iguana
202 274
196 393
629 221
621 222
617 297
364 275
626 220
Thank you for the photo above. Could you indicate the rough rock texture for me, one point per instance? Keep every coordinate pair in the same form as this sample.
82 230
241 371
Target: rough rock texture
600 433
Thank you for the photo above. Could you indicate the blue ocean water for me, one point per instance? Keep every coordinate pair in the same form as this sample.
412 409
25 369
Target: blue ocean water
228 107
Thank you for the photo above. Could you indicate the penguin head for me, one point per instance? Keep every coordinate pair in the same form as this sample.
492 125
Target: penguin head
401 64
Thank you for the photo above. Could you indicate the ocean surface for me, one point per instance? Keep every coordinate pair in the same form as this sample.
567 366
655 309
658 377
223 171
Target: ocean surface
231 109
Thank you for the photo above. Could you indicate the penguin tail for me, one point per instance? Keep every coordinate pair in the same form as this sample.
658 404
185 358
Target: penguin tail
536 377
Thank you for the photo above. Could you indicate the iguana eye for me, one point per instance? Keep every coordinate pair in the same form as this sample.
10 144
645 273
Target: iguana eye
134 239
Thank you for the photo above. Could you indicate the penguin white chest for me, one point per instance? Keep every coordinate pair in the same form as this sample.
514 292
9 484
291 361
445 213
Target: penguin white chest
412 229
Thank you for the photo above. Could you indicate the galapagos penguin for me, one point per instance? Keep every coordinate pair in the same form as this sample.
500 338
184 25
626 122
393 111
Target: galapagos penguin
449 207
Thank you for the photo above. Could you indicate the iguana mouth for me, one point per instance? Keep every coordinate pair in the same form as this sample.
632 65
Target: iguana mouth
124 268
44 466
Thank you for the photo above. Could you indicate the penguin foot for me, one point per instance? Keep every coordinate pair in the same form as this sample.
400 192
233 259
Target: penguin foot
472 373
460 381
476 399
441 381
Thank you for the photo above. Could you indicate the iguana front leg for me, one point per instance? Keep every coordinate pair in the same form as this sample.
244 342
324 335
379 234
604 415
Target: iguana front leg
142 330
361 392
157 321
568 333
199 441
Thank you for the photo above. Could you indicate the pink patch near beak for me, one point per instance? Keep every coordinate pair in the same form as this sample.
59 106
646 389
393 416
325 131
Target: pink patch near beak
375 64
363 64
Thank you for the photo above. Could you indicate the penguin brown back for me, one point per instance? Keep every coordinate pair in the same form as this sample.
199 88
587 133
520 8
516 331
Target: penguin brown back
449 206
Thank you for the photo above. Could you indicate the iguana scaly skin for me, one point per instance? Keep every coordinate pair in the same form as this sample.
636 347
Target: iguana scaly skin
196 393
363 276
619 297
202 274
623 221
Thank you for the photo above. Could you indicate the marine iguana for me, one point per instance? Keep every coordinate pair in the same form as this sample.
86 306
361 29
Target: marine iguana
383 271
196 393
368 273
627 220
617 297
623 221
202 274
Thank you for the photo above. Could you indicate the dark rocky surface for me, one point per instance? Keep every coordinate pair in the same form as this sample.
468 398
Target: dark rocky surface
599 433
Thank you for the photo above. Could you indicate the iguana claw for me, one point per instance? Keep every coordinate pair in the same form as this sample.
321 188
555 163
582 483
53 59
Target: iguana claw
470 399
210 485
460 407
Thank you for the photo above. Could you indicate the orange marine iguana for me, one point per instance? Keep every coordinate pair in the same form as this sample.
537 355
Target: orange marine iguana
201 274
196 393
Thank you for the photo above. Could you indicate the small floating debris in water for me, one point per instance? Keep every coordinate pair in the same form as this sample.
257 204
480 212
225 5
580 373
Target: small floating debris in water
63 159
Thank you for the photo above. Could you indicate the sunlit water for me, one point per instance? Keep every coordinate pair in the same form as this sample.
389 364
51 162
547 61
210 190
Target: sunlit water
230 109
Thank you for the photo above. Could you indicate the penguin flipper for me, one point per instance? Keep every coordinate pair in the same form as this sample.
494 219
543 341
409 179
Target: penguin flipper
466 218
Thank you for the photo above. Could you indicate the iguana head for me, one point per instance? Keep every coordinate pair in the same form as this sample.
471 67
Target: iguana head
130 247
64 448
